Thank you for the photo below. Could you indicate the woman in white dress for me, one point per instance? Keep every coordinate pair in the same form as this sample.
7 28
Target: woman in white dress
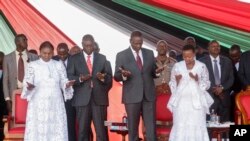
189 101
44 82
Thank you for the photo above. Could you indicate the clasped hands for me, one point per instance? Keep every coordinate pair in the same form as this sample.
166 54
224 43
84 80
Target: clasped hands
159 70
99 75
125 73
179 76
218 90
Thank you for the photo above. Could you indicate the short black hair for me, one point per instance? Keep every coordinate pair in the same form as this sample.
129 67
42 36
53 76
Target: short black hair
235 47
1 54
135 34
188 47
33 51
62 45
88 37
20 36
213 41
46 44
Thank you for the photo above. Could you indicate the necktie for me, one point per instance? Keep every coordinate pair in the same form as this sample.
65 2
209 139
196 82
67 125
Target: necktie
216 73
64 63
138 61
90 69
89 64
20 68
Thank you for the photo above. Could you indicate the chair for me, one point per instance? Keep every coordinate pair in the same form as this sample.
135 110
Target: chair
14 124
163 117
242 103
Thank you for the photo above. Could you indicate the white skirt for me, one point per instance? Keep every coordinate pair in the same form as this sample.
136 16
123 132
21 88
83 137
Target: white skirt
189 123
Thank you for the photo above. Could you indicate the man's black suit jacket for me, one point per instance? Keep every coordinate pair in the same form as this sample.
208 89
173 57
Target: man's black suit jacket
244 69
82 90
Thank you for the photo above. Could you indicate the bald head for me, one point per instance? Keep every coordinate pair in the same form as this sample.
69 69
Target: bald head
74 50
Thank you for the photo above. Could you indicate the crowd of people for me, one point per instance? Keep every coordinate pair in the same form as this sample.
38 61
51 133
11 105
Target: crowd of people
72 87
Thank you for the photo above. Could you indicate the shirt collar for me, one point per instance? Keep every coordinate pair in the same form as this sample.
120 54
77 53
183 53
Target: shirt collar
134 50
217 58
23 52
85 54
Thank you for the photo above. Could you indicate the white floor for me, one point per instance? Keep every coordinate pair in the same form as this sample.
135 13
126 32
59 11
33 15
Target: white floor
222 140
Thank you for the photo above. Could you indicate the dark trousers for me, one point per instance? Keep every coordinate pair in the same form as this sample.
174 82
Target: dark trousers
97 113
3 111
221 107
134 110
71 120
233 106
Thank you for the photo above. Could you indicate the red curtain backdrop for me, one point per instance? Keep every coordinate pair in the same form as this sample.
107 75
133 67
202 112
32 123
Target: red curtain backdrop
27 20
229 13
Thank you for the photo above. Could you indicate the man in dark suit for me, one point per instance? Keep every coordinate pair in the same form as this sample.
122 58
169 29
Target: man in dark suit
221 77
93 80
244 69
14 65
63 55
136 67
3 110
234 54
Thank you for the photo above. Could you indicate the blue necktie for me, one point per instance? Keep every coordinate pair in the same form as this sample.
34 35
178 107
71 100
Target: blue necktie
216 73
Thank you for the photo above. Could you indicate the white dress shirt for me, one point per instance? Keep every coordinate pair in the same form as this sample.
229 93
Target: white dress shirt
25 61
86 58
237 66
135 54
91 57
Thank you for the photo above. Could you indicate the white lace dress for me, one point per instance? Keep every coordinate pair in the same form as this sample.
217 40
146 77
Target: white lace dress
46 116
189 103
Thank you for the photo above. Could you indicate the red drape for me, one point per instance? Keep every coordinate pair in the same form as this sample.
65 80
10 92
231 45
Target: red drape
27 20
229 13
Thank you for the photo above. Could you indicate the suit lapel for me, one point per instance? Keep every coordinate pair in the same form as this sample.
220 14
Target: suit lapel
210 68
83 62
95 62
132 58
131 55
14 63
144 57
222 62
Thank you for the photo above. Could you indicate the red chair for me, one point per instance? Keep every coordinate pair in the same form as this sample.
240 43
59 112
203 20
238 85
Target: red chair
14 125
242 102
164 118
